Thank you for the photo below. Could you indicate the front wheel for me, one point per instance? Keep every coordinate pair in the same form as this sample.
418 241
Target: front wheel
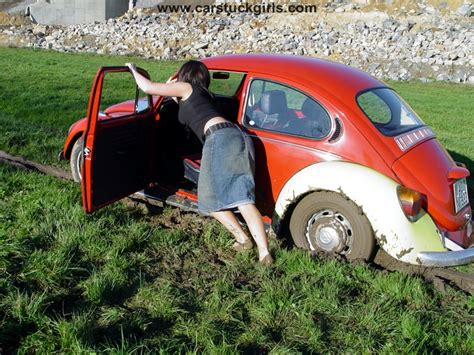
76 160
327 222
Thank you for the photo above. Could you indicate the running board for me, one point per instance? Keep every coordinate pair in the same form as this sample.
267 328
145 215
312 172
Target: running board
157 197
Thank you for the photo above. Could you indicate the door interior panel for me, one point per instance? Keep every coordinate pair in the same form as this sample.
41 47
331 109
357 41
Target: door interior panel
121 160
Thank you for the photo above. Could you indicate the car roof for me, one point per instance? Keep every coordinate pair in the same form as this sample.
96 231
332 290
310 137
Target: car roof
335 78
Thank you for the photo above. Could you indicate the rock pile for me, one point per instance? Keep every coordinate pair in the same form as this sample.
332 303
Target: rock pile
424 46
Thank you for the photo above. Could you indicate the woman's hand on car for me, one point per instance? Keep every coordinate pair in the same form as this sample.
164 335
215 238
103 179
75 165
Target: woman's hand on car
131 66
173 88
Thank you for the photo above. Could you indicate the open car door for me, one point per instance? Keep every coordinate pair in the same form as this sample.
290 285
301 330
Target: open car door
117 140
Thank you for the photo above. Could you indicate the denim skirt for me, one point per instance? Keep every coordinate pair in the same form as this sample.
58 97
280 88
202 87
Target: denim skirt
226 178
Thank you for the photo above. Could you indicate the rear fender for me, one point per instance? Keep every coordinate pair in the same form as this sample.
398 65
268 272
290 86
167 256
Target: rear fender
376 195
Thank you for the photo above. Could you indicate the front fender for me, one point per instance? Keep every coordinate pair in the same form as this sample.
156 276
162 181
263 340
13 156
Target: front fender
376 195
75 131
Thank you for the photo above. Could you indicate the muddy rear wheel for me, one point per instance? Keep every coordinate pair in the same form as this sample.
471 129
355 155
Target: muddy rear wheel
76 160
328 222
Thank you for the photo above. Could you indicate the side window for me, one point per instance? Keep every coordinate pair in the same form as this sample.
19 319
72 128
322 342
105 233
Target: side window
275 107
388 112
376 108
225 83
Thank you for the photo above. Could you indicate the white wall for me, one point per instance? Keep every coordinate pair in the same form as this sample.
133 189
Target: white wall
70 12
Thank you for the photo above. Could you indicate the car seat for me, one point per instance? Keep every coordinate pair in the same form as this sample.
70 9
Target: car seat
273 110
315 124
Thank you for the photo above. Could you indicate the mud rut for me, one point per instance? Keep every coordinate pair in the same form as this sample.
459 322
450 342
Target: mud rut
440 277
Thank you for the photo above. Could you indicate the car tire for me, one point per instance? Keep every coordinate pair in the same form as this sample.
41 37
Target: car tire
330 223
76 159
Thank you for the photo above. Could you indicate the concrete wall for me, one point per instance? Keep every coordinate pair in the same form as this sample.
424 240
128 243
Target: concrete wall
115 8
15 6
71 12
146 3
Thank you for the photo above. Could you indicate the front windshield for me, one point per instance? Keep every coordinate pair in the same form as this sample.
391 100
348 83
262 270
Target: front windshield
388 112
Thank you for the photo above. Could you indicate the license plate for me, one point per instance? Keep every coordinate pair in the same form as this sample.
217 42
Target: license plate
461 199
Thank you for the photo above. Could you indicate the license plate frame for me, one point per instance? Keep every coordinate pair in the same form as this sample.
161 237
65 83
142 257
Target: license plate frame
461 196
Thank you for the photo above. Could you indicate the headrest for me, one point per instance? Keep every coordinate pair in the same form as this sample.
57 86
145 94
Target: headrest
273 101
311 109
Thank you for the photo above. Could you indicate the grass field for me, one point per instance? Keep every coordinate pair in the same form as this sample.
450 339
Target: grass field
127 281
123 280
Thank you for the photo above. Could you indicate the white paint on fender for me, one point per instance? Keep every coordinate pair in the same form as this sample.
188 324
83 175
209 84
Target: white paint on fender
376 195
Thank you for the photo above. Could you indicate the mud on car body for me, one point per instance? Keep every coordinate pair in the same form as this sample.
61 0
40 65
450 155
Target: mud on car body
343 164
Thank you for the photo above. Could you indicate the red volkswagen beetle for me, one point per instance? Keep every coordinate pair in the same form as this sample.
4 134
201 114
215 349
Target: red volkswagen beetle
343 164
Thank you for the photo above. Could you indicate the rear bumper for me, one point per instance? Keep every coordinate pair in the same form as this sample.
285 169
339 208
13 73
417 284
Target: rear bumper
457 255
463 237
446 258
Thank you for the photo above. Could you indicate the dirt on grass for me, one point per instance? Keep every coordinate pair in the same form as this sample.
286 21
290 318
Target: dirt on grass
186 221
23 163
440 277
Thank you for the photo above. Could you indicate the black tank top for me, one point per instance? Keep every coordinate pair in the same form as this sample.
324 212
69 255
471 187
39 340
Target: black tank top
197 109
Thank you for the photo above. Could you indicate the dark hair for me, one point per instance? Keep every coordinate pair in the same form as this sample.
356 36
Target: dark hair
195 73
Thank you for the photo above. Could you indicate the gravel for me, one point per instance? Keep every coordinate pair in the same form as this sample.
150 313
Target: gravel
424 46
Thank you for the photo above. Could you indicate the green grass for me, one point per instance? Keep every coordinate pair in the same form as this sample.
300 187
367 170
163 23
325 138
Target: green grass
43 92
122 280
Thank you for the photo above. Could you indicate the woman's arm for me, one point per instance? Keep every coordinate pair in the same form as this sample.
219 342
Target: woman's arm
178 89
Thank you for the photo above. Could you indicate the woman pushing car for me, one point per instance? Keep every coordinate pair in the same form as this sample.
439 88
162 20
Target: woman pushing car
226 179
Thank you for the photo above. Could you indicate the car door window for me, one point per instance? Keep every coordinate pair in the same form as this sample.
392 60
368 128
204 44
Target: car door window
225 83
121 97
280 108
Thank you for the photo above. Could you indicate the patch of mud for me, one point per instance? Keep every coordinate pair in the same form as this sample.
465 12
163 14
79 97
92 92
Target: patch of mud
440 277
23 163
176 218
190 263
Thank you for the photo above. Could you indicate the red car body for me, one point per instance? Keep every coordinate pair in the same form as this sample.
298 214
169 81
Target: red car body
413 159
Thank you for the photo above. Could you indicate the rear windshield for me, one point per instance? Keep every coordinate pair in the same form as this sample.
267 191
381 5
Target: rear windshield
388 112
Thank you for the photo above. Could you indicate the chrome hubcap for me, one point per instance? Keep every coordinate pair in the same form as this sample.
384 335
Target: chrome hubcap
329 231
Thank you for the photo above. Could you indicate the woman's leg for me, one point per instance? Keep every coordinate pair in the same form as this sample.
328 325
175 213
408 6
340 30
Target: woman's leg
253 218
228 219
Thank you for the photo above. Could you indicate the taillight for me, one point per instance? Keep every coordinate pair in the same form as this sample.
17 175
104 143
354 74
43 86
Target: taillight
410 202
